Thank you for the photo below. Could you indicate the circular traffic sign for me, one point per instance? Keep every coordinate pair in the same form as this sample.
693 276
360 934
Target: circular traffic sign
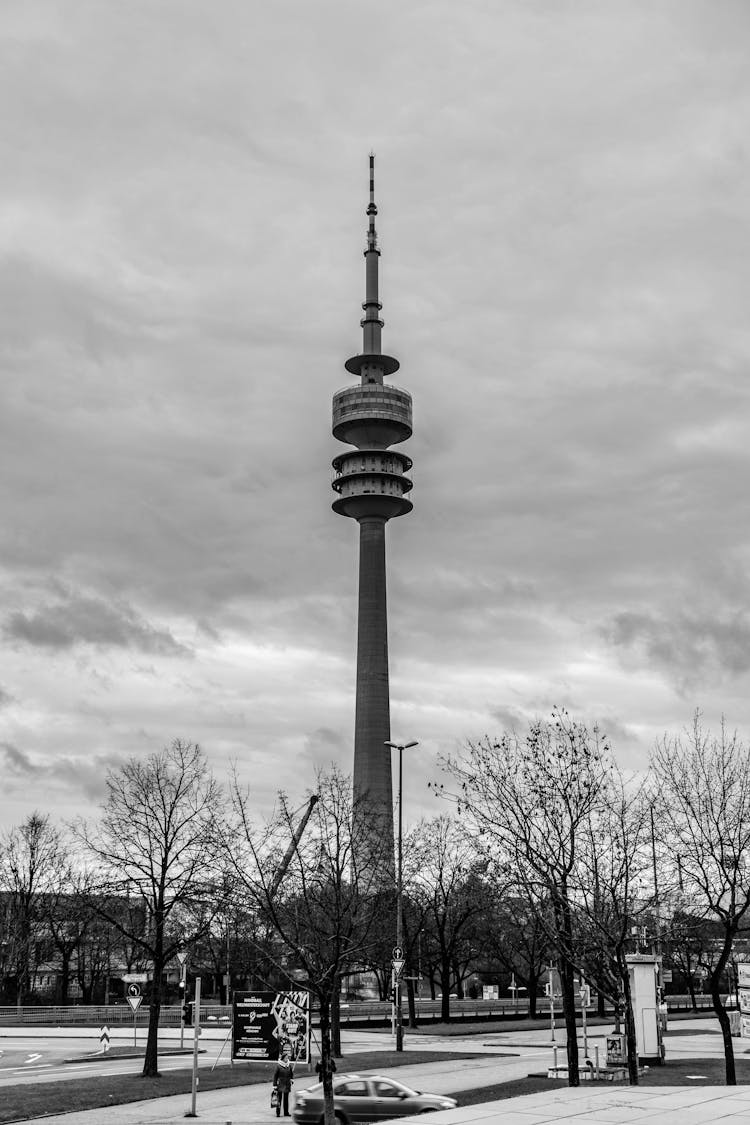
134 990
398 953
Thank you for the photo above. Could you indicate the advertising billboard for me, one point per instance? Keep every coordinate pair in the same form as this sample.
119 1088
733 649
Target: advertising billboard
271 1025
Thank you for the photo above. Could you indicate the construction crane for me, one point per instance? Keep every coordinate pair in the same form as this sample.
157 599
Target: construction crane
297 836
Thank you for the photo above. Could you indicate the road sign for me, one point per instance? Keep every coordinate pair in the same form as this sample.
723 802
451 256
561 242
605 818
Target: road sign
182 956
135 1002
137 978
104 1038
398 953
398 966
134 990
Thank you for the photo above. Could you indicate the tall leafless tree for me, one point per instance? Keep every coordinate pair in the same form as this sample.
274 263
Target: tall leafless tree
702 794
613 894
448 885
156 846
32 855
327 908
529 801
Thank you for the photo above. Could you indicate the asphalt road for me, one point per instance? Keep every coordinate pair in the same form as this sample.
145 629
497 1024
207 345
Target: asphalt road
42 1057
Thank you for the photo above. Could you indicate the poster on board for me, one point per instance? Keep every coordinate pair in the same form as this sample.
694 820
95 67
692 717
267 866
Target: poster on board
271 1025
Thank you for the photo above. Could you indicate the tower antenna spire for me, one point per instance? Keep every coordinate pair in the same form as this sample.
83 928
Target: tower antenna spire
371 365
372 234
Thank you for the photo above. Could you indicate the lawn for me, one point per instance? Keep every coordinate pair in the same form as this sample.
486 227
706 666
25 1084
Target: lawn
681 1072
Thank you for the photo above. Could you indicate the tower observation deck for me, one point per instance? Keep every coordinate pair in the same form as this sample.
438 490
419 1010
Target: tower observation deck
371 485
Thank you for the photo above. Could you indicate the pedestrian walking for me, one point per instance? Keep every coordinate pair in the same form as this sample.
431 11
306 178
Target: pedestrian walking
282 1081
319 1068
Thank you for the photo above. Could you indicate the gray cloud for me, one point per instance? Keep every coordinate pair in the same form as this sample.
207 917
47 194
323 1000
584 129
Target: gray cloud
16 762
693 648
563 214
78 776
87 620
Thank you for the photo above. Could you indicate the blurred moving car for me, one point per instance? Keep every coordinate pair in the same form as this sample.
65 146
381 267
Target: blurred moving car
367 1097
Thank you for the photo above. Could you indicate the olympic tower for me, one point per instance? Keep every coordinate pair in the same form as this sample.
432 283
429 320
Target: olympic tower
371 484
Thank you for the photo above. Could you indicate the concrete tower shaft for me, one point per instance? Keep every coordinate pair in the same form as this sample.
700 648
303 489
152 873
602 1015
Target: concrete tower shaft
371 484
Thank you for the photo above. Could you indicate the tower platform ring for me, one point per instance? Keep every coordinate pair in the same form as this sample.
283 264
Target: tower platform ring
357 362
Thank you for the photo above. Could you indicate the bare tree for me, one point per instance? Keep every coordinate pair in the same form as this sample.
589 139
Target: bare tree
156 846
516 936
692 945
702 790
69 918
610 897
327 908
32 857
448 885
529 802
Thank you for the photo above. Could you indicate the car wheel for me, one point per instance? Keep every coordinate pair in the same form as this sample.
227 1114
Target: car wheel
340 1117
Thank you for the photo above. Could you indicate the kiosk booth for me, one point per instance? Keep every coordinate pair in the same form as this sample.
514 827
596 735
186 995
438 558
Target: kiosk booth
644 987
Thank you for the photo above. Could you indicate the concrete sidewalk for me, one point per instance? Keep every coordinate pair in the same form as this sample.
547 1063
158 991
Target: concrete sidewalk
631 1105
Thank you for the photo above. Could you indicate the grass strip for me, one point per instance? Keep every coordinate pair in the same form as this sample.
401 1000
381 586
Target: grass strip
705 1072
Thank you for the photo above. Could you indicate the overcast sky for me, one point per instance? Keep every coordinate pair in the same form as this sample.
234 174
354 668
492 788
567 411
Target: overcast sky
564 218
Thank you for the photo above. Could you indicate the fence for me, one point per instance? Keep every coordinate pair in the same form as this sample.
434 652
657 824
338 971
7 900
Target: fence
353 1013
97 1015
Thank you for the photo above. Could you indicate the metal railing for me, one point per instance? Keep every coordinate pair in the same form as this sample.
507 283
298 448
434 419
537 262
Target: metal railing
353 1013
114 1015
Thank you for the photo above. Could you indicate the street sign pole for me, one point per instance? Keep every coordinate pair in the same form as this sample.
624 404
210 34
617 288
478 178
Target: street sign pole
183 994
182 958
196 1038
585 994
551 987
134 998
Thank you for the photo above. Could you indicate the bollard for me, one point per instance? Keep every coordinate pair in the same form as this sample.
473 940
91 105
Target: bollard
554 1058
596 1057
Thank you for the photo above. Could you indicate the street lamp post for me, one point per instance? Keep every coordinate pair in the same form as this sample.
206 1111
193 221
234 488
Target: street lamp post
400 746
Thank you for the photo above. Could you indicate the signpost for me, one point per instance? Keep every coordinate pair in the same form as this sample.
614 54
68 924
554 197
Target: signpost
182 958
550 990
196 1039
513 987
584 993
135 999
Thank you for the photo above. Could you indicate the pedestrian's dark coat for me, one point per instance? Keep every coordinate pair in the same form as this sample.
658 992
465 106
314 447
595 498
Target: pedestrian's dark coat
283 1075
